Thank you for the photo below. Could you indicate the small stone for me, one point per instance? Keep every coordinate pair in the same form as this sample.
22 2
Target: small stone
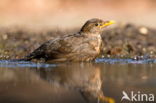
143 30
108 56
135 58
151 52
5 37
144 77
144 49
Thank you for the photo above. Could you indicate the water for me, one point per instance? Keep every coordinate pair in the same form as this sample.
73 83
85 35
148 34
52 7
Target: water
29 82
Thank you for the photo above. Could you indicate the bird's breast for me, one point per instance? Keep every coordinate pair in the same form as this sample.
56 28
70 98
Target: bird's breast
95 42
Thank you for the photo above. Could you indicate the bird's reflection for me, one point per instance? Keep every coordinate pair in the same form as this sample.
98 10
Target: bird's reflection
84 79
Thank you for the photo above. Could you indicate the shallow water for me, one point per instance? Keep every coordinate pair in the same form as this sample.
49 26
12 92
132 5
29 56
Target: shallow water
29 82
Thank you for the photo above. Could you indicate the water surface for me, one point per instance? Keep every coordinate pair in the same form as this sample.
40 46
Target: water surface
29 82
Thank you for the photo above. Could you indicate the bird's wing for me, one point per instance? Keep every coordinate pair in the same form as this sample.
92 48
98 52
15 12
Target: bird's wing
43 50
53 48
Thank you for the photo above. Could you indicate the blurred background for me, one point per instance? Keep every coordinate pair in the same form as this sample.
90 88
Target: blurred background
69 13
23 79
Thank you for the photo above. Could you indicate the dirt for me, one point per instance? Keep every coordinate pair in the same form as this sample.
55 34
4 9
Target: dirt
122 41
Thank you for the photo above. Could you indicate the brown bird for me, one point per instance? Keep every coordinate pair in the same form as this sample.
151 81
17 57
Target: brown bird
82 46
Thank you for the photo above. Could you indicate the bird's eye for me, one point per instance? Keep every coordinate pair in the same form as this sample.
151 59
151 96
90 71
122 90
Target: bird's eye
96 24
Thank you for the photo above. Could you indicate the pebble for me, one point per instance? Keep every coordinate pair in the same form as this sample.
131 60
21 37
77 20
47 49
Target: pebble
144 77
143 30
5 37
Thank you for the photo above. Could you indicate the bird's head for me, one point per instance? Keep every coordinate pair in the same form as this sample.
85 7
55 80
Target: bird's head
95 26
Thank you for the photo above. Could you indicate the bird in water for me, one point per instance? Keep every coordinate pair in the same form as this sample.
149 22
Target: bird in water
82 46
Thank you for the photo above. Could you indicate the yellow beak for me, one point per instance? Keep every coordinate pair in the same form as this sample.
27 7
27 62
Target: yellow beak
106 99
107 23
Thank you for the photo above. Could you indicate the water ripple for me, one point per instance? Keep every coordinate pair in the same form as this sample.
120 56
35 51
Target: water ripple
124 61
29 64
23 64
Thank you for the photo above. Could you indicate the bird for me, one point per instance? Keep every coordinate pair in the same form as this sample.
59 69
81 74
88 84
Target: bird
82 46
